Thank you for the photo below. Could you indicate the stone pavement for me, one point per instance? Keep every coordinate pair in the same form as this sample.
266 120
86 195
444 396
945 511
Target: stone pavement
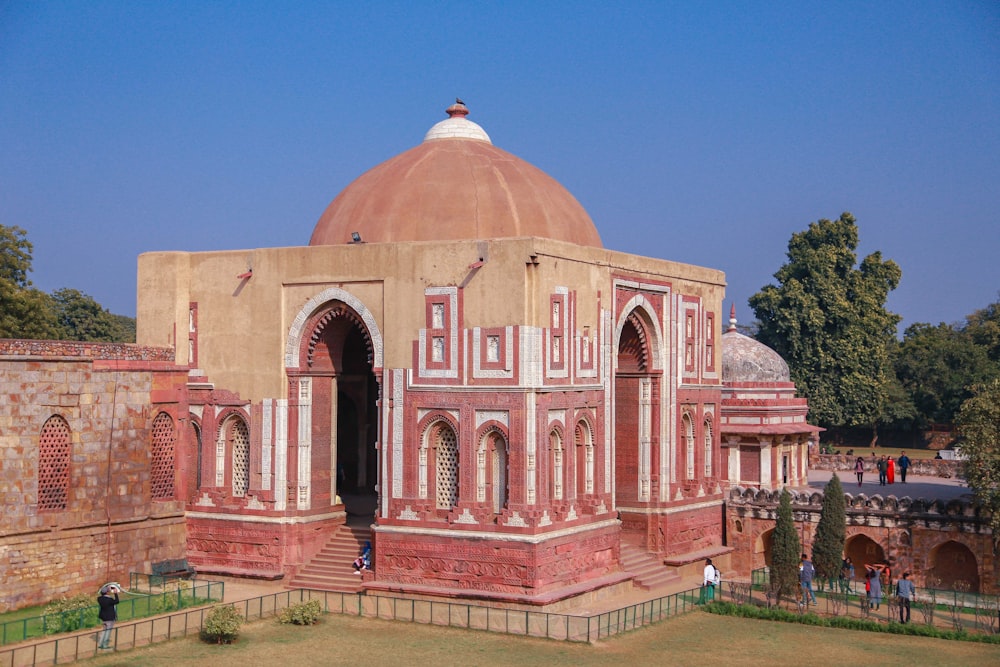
928 488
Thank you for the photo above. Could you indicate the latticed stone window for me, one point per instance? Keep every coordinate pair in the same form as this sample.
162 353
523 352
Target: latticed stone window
239 436
446 468
162 463
53 464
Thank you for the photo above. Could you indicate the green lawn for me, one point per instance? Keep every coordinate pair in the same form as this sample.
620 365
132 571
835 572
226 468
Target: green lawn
695 639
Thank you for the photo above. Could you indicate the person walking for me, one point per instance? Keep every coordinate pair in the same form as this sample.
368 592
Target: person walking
806 574
846 574
904 465
108 613
890 470
883 468
859 469
905 591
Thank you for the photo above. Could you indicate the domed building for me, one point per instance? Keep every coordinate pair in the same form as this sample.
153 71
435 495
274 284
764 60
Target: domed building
765 436
454 369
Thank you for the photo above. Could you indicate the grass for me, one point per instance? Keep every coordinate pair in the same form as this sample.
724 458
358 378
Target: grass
696 638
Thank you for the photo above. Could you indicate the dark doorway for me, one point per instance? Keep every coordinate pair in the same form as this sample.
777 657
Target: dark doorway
344 412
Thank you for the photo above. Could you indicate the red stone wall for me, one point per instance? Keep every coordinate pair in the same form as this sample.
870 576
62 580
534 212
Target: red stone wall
110 526
511 570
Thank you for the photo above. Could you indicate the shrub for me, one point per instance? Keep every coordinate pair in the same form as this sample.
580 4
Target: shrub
304 613
222 625
68 614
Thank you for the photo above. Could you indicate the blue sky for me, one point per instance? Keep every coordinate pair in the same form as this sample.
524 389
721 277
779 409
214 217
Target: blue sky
701 132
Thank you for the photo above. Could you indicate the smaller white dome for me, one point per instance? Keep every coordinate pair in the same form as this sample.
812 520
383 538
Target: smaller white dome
747 360
457 126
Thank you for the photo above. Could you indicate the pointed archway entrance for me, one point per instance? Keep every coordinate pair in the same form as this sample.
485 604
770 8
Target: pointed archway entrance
337 362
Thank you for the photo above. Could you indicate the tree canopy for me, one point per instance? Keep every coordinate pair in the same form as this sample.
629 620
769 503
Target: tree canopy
979 425
828 319
937 366
67 314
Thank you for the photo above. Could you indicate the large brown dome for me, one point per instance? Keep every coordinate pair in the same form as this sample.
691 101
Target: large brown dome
455 185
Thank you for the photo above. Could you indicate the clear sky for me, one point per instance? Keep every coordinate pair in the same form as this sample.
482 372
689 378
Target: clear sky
701 132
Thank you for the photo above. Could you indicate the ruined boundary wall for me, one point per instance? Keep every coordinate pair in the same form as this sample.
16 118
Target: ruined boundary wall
76 467
943 544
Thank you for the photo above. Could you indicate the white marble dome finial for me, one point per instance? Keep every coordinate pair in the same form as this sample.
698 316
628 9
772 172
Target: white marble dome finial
457 126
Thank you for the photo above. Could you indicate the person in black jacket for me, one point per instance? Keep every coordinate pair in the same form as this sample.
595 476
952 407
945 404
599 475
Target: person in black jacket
108 613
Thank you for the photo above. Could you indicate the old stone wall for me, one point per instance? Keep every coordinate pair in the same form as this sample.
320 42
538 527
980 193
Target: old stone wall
944 544
85 513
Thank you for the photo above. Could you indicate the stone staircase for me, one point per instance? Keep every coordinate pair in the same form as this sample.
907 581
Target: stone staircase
649 570
331 569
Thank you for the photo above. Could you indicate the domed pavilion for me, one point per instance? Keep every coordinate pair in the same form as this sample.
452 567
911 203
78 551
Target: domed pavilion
456 370
765 436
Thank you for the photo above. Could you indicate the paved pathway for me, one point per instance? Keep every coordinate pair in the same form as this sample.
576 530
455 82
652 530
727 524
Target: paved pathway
929 488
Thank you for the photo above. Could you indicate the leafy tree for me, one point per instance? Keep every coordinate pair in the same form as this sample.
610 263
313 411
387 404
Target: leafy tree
979 425
937 365
26 312
828 546
984 328
79 317
785 549
828 319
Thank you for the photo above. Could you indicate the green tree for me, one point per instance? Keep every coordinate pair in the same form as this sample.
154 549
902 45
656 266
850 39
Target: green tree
979 426
79 317
983 326
25 312
937 366
785 550
828 545
828 319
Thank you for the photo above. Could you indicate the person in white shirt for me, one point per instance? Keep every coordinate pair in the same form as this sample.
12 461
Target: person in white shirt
710 581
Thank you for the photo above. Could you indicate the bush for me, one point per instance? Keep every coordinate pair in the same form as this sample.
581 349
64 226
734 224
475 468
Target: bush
304 613
844 622
69 614
222 625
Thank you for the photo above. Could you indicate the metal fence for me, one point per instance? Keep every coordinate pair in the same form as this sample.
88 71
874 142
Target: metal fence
948 609
471 616
141 601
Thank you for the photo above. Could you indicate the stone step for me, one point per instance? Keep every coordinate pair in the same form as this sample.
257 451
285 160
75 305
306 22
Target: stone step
331 568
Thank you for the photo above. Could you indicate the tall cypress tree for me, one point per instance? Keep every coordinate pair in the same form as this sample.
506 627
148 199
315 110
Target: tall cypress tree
785 549
828 546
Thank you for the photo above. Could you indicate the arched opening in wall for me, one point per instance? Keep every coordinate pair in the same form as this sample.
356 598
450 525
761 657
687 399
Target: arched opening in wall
953 567
495 447
863 550
765 546
197 478
342 390
633 412
584 459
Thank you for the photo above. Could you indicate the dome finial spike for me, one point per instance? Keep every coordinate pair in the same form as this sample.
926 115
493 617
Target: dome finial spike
732 317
